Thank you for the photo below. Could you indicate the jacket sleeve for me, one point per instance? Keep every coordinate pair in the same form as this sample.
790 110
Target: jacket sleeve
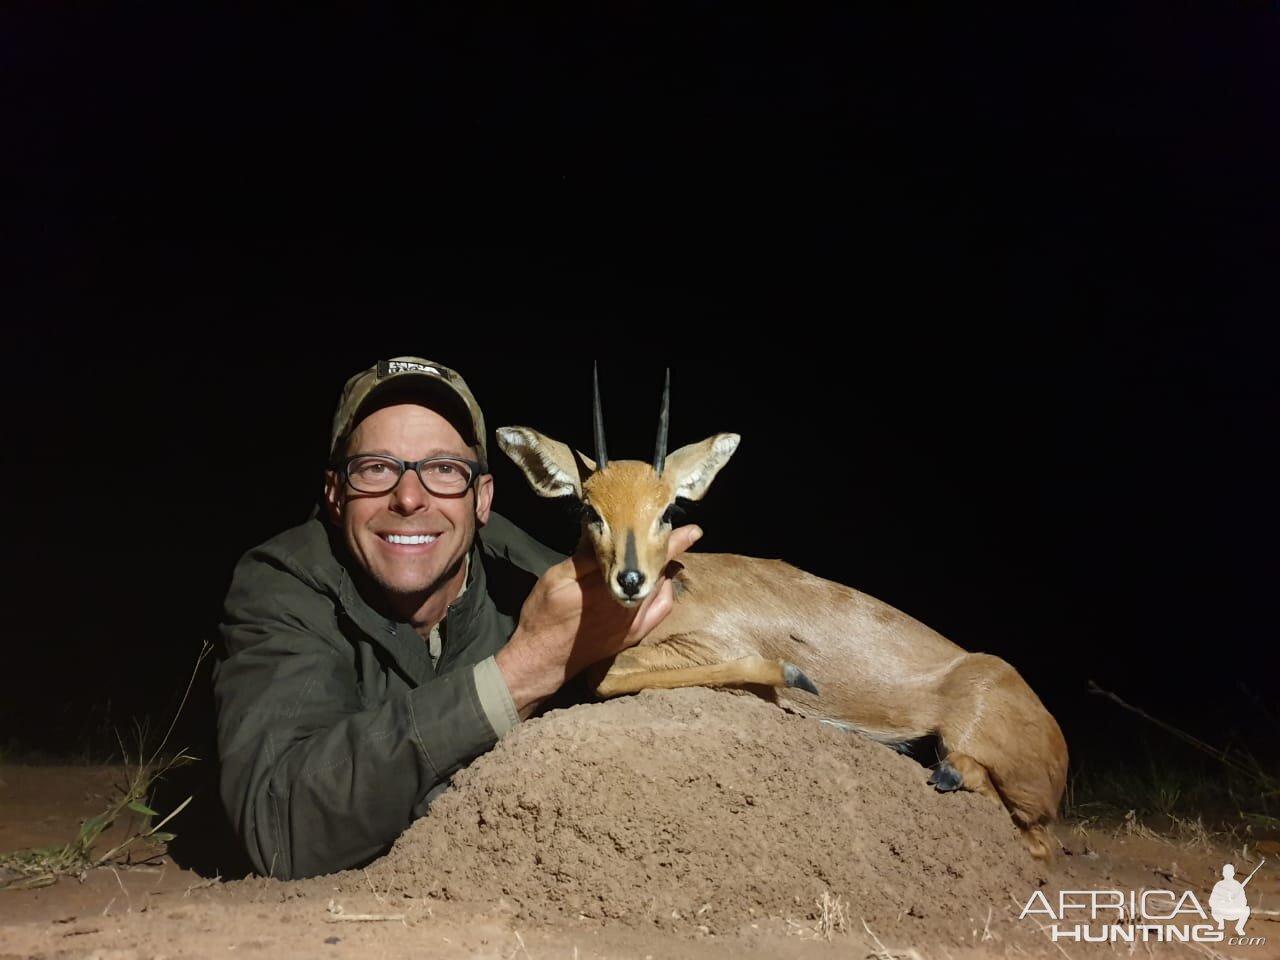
312 779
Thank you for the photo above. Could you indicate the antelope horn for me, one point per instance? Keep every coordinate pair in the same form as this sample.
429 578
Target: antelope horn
602 459
664 416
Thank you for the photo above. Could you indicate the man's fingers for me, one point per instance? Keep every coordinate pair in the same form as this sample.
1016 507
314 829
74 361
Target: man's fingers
662 603
682 538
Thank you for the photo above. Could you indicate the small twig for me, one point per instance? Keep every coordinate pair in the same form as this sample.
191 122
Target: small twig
885 954
120 884
336 914
363 917
376 895
201 885
206 648
142 836
145 866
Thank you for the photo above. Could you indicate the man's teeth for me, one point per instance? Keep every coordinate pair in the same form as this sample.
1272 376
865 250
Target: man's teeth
416 538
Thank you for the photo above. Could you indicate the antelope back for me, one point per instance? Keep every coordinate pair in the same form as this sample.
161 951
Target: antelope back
626 505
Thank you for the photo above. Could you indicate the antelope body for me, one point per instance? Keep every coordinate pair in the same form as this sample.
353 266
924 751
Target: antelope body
771 627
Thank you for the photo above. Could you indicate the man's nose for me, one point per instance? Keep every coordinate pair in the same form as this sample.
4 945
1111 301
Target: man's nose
410 495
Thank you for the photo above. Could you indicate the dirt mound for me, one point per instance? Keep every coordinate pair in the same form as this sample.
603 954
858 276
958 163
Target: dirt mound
704 811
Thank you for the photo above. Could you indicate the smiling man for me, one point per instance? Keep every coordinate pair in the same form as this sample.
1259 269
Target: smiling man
379 647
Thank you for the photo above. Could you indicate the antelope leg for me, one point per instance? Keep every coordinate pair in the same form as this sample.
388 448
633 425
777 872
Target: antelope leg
634 674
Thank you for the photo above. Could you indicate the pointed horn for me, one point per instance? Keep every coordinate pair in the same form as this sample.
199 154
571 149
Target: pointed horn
660 449
602 459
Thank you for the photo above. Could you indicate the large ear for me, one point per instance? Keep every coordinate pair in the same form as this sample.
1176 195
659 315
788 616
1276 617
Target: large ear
552 469
691 469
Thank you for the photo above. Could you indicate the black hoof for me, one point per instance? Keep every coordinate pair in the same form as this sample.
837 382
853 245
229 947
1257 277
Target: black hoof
945 777
795 677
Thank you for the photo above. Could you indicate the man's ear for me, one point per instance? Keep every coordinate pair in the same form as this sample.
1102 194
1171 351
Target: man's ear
333 497
484 497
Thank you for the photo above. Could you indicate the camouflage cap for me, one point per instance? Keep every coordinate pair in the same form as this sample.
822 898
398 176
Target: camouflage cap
413 378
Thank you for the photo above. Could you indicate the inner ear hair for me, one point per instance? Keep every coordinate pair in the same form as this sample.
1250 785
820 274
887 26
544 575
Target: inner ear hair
546 463
694 466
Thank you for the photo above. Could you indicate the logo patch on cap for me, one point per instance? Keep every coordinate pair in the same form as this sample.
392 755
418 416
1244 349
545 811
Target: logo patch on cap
389 368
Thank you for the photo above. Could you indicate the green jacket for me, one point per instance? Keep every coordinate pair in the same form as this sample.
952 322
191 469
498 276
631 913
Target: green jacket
335 729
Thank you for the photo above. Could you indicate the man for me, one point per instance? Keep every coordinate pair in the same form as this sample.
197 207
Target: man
381 646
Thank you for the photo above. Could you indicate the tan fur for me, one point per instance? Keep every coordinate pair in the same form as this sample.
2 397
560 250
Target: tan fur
740 620
631 497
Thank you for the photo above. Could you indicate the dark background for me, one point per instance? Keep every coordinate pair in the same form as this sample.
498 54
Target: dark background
989 297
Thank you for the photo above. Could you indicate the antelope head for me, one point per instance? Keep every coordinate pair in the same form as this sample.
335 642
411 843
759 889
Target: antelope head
627 505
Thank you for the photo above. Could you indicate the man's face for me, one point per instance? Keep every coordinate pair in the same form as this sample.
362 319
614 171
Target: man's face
407 571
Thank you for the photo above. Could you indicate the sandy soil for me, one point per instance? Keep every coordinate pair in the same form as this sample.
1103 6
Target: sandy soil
686 823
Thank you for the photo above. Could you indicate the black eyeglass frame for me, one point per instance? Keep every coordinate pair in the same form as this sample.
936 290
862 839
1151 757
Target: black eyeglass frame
343 467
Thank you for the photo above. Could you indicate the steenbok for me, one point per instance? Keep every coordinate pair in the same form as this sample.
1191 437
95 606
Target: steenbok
818 648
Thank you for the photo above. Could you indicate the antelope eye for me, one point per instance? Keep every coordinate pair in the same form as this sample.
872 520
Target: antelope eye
591 515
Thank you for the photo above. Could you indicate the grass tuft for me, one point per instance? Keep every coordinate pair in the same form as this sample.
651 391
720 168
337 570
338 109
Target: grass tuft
1190 794
42 866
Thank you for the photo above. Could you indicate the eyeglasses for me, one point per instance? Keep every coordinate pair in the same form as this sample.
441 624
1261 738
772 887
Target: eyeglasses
380 473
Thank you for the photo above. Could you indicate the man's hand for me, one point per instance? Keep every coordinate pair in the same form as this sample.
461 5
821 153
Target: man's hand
570 620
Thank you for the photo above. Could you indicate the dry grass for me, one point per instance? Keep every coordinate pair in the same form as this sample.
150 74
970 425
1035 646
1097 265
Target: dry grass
832 917
1195 797
42 866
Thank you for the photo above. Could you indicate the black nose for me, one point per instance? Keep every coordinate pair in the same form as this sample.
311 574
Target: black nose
630 581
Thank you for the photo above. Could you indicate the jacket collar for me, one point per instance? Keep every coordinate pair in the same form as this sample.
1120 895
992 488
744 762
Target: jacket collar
397 637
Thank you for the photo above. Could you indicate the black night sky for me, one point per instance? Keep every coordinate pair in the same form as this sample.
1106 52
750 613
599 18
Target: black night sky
991 301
